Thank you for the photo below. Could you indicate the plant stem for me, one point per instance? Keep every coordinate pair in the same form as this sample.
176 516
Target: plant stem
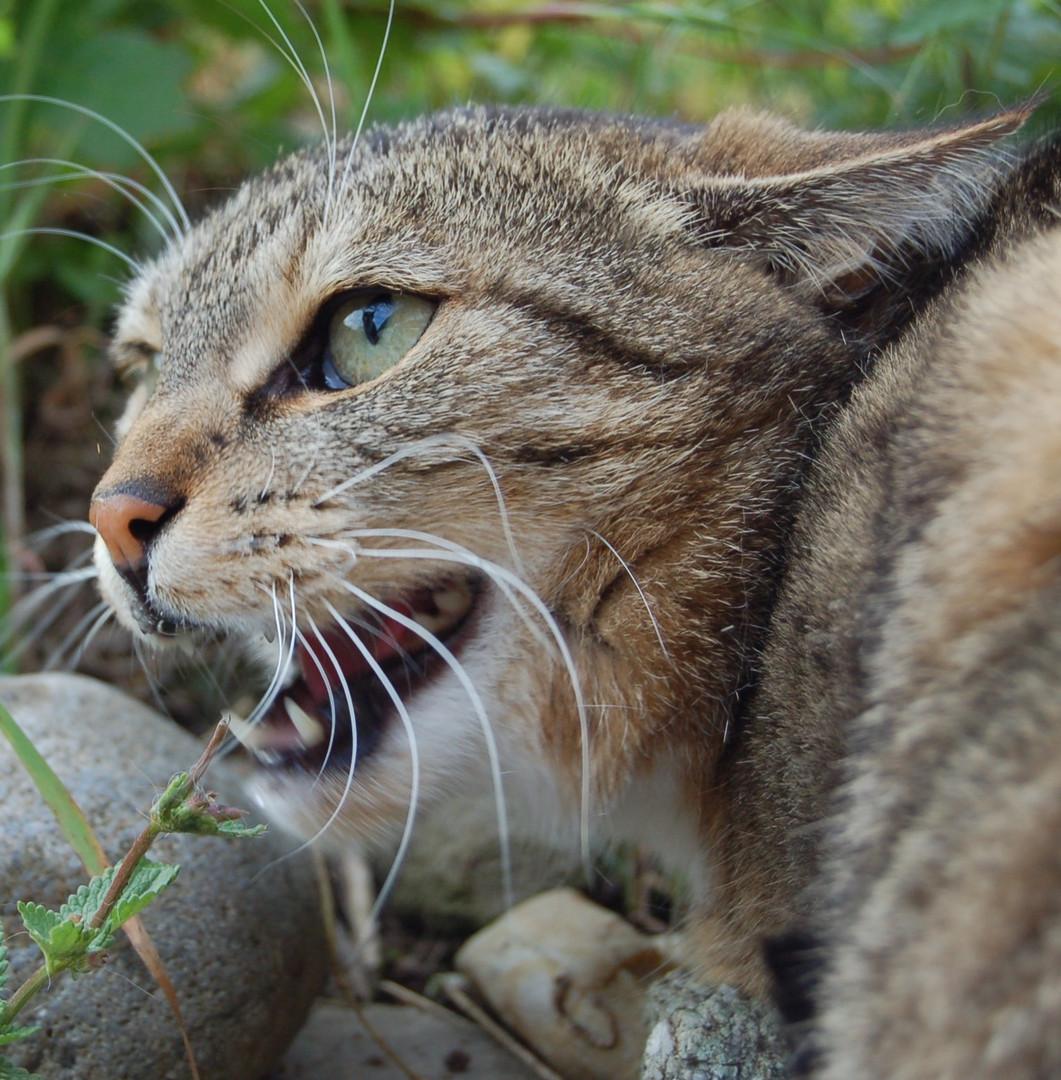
37 981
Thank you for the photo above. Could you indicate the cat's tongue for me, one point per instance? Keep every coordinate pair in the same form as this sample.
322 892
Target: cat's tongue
335 657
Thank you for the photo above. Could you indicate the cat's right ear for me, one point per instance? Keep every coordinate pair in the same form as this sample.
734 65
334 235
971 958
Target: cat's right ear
882 204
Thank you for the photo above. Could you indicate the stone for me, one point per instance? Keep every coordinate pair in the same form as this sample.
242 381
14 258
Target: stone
336 1045
451 879
711 1033
239 932
570 978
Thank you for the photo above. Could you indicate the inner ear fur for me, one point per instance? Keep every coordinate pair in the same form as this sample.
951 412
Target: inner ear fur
860 208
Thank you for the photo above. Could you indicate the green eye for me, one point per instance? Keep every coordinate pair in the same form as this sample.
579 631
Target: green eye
370 332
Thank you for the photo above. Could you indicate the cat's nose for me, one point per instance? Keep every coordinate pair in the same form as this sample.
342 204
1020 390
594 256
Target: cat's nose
127 523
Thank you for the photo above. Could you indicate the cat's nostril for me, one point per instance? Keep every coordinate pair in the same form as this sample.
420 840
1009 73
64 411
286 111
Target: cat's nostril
127 524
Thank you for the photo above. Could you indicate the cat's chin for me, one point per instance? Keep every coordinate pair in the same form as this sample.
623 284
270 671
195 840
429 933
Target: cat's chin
346 683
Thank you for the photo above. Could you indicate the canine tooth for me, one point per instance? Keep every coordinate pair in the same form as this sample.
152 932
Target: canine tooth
452 602
433 624
186 645
310 729
247 734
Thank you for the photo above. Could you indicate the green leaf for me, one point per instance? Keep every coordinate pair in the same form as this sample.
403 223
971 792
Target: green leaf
13 1034
147 881
107 71
14 1072
62 941
234 828
61 803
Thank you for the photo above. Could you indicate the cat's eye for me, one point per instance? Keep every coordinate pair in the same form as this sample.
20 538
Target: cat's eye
141 374
369 332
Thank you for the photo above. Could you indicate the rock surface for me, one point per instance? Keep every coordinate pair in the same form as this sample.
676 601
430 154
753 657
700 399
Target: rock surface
336 1045
239 932
711 1034
452 880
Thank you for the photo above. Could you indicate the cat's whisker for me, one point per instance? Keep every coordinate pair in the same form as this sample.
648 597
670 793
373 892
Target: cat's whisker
288 51
640 592
61 528
414 760
124 185
48 230
240 727
20 614
285 652
445 553
368 100
130 140
428 442
94 620
332 143
336 667
468 558
479 709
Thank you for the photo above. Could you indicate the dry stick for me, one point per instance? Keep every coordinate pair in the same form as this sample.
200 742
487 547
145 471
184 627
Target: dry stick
479 1016
328 916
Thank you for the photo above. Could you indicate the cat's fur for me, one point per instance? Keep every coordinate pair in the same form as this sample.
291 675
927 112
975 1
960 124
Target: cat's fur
773 418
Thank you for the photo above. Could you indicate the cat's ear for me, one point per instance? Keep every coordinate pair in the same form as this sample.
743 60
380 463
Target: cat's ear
876 204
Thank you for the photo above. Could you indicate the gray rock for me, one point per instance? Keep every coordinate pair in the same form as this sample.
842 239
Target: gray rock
712 1033
451 879
336 1045
239 932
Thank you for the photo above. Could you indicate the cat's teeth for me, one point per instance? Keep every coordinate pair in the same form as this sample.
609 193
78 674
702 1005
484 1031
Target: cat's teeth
186 644
310 729
453 602
250 735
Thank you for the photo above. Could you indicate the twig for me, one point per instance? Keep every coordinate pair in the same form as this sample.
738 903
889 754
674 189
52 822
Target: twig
455 989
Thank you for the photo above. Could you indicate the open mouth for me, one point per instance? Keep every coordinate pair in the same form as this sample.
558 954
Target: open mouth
336 707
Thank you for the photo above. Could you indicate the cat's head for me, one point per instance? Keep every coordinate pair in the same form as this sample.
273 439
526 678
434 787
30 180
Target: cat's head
493 424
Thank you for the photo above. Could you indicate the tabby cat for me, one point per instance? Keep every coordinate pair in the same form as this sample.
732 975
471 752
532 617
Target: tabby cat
701 487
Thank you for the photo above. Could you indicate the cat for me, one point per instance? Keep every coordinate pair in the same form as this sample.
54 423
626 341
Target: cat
696 485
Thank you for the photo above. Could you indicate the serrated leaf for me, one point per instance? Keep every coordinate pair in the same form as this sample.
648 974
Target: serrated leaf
12 1034
61 940
5 964
148 880
8 1071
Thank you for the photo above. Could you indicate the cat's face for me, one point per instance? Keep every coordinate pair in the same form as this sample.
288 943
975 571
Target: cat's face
498 413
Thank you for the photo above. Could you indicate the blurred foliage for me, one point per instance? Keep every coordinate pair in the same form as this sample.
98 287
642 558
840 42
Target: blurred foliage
207 87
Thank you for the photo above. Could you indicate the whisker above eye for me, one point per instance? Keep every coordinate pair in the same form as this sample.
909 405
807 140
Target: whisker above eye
368 99
48 230
136 145
288 51
124 185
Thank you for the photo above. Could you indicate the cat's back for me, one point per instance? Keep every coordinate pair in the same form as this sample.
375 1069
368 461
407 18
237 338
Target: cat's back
942 896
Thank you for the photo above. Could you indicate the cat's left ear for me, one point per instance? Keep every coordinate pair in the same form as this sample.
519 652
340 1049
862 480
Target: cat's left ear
882 204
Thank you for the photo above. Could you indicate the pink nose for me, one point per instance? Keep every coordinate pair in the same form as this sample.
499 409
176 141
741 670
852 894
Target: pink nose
127 524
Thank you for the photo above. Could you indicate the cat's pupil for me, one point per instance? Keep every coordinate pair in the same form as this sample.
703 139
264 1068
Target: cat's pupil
374 317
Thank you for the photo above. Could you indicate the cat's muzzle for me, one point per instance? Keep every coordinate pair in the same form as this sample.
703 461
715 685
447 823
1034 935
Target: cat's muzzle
346 682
